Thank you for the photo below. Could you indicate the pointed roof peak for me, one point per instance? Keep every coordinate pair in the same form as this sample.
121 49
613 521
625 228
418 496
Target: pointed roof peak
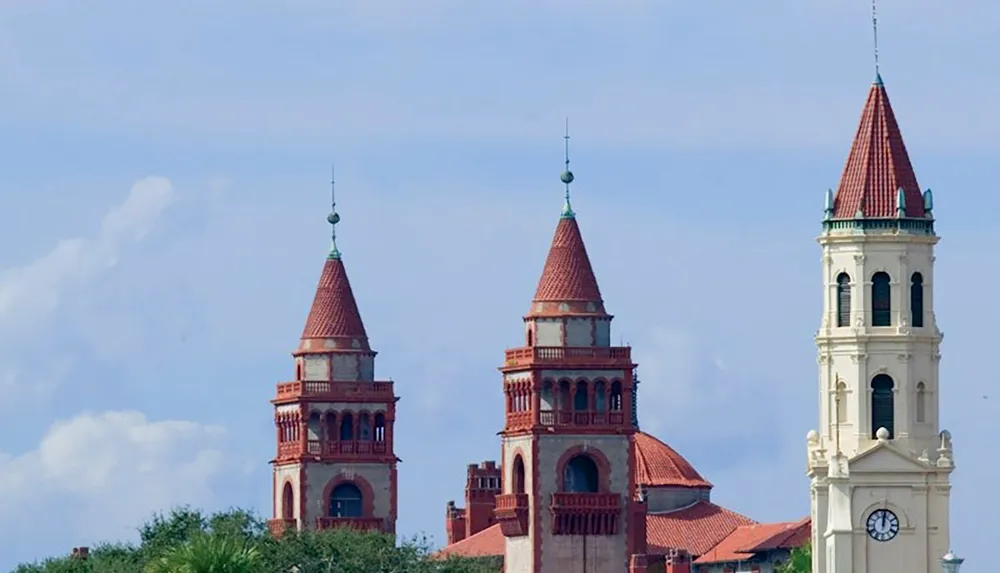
568 284
334 314
878 167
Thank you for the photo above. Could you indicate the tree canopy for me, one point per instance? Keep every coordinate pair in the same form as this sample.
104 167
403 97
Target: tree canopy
800 561
236 541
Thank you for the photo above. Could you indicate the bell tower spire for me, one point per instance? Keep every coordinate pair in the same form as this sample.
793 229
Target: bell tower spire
879 351
335 465
333 218
568 395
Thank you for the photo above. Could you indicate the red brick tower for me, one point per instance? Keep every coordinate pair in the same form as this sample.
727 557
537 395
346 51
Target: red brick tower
482 484
335 464
569 499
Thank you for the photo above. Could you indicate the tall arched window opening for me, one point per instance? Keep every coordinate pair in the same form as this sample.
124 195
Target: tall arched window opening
581 399
843 299
518 475
881 300
883 409
379 427
615 398
921 403
600 396
345 501
287 502
580 475
917 300
347 427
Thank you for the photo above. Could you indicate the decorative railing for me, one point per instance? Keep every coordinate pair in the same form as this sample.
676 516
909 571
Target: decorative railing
914 226
358 523
559 418
511 512
572 354
375 391
586 513
278 527
333 448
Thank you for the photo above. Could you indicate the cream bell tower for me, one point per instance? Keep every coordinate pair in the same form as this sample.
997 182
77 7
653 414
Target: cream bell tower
879 464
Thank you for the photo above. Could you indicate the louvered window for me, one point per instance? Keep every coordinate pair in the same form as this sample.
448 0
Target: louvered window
883 415
843 300
881 300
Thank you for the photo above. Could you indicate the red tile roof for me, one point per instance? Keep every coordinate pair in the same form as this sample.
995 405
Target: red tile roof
657 464
488 542
568 276
334 312
878 165
696 528
747 540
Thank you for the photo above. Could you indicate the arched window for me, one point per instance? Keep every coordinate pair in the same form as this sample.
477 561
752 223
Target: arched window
518 475
298 371
331 426
921 403
345 501
580 475
600 396
287 502
883 414
616 396
917 300
565 396
843 299
347 427
531 338
364 427
379 427
581 399
881 300
314 427
548 397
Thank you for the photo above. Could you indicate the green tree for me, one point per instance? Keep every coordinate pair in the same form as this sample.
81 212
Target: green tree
800 561
236 541
208 553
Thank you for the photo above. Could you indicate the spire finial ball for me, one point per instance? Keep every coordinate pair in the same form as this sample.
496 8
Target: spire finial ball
333 218
566 177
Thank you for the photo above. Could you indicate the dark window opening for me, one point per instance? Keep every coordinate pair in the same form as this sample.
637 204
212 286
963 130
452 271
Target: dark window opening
364 427
581 399
518 475
616 396
883 414
345 501
843 300
580 475
881 300
287 502
347 427
917 300
600 396
380 427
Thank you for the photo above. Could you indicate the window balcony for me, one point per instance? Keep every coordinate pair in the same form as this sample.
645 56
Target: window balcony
586 513
511 512
357 523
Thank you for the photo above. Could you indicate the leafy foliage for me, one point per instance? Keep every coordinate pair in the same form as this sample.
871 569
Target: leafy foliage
800 561
236 541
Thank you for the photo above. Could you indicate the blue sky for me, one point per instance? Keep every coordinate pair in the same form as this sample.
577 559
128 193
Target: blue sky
164 191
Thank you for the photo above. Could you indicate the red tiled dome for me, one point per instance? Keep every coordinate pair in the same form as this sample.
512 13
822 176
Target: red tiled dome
658 465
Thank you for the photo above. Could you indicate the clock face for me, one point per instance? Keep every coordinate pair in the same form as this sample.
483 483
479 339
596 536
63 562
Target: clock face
883 525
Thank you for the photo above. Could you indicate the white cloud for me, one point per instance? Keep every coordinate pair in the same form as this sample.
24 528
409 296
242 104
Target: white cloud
31 295
98 475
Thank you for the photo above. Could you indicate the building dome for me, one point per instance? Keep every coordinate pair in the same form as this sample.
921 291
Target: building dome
658 465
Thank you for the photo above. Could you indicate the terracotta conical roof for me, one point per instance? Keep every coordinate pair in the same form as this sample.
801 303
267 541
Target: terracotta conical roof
568 284
878 166
334 313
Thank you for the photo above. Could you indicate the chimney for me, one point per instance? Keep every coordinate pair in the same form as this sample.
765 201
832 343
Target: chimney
80 553
454 523
678 561
481 488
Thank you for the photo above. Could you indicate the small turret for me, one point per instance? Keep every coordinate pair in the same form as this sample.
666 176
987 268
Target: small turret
900 203
929 203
